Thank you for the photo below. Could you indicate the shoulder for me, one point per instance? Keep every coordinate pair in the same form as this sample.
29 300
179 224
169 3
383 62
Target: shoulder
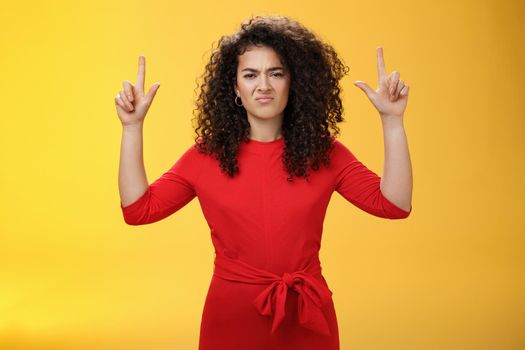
194 149
195 154
340 151
189 165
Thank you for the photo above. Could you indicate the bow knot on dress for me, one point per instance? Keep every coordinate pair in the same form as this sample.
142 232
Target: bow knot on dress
312 293
288 279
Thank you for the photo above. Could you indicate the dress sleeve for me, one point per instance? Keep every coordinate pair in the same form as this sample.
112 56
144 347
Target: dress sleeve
169 193
361 186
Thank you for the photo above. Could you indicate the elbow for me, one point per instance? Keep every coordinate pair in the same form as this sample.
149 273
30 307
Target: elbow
142 218
138 218
394 209
136 213
401 213
400 217
134 218
132 222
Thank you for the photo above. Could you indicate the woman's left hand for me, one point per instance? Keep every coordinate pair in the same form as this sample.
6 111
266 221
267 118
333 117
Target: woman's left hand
391 96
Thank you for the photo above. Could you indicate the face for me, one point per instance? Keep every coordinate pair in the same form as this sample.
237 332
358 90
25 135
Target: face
260 74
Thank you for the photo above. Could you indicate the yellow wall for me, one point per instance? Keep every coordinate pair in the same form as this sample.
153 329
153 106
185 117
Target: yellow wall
74 276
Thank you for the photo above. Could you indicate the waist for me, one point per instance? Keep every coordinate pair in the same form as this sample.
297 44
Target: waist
238 270
306 281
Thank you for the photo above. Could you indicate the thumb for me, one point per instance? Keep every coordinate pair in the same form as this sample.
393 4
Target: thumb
153 91
364 86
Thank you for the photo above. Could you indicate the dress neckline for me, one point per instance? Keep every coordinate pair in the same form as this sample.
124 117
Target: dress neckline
263 145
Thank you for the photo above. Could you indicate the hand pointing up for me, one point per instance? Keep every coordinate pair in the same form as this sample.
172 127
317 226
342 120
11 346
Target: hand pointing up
391 96
132 105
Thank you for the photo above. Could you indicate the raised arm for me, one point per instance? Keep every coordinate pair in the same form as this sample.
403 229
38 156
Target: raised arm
132 106
390 98
142 203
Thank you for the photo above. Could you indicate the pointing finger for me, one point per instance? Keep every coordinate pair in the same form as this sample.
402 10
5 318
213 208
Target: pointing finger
141 73
381 70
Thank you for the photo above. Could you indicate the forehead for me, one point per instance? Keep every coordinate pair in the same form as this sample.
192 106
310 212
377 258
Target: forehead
259 56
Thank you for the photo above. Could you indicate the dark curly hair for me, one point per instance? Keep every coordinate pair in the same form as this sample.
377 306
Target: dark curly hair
313 108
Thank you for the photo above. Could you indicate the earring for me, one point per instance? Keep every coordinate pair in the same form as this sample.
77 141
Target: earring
240 105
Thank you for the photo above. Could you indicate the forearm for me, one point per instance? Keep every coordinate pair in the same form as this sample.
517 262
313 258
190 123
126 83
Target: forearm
132 179
396 182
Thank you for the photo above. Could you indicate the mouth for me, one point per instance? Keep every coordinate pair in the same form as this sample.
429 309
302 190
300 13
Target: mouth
264 99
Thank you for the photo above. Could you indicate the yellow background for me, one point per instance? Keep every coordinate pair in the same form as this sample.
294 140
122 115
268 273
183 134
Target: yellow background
74 276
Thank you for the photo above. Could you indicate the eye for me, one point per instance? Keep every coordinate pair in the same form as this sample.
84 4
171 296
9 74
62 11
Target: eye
248 75
279 74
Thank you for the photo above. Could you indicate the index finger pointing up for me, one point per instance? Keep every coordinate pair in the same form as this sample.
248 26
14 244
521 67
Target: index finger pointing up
381 70
141 73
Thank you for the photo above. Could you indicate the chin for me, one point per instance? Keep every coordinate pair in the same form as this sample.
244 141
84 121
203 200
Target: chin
267 115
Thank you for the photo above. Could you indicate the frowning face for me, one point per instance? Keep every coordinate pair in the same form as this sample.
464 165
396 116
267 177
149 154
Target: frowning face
263 83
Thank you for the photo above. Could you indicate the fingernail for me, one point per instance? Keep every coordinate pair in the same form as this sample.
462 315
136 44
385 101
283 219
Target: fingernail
130 97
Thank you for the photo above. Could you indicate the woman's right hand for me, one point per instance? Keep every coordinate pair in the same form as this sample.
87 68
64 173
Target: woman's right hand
132 105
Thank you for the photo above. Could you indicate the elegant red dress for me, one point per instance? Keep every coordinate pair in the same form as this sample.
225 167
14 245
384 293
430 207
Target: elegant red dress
267 290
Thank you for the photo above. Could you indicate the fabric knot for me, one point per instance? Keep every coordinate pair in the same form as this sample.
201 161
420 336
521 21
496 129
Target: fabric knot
288 279
312 293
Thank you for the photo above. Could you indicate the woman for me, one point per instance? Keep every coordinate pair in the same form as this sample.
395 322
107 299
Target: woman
264 166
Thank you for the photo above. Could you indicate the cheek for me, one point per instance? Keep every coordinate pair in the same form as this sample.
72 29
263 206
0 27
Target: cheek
284 90
285 87
245 89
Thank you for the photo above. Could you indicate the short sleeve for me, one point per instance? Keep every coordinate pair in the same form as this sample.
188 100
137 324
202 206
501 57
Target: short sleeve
361 186
169 193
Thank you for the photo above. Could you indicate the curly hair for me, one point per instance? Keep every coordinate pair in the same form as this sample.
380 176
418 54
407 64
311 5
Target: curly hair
313 108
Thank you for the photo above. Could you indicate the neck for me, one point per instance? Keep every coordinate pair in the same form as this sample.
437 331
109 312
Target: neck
265 129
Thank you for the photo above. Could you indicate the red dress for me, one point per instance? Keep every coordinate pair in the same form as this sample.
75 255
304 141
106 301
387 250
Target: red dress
267 290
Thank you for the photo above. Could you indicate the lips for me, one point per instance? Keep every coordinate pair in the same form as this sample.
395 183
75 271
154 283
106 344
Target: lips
265 101
264 98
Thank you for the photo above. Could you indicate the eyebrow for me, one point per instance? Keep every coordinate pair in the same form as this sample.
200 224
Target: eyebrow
269 69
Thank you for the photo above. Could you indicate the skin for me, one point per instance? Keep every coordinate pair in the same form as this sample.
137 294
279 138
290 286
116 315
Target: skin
256 77
390 100
132 105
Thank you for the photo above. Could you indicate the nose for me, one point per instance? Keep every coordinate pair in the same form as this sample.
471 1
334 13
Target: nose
263 84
